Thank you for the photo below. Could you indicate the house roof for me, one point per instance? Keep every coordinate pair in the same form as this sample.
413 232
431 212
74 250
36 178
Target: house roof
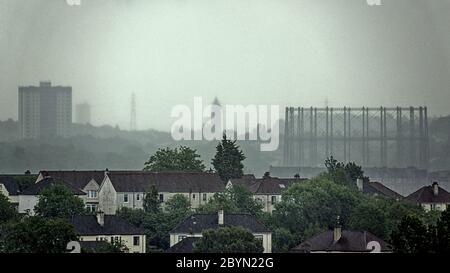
274 185
350 241
379 188
426 195
249 182
78 179
197 223
267 185
186 245
37 188
87 225
166 181
10 184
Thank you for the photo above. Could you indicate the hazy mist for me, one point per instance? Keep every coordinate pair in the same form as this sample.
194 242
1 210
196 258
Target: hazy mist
287 52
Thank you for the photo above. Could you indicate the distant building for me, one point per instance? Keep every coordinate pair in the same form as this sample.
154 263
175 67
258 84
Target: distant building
192 227
83 113
45 111
343 241
431 197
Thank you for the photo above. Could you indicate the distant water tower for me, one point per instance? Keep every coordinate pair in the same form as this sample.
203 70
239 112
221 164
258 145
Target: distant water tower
83 113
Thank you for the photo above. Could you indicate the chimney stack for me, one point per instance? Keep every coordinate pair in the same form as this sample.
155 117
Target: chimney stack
221 218
360 184
337 234
435 188
101 218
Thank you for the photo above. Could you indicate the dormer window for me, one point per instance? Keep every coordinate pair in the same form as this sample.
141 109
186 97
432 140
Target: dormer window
92 194
282 186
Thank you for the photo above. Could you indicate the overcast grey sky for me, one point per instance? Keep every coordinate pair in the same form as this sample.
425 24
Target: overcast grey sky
287 52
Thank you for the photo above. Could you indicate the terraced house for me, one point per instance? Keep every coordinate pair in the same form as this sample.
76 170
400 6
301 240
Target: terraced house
431 197
266 190
93 230
86 181
10 189
128 188
29 197
184 236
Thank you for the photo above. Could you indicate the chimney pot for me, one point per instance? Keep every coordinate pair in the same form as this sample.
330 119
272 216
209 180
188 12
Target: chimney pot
360 184
221 218
435 189
337 234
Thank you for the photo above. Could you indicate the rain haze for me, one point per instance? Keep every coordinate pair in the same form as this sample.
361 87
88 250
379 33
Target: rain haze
286 52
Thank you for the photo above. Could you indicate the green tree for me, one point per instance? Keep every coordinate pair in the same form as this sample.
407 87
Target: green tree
228 240
37 235
411 236
178 205
283 240
228 159
152 203
381 216
371 217
156 222
114 247
344 174
7 210
133 216
178 159
236 199
443 233
59 202
313 206
24 181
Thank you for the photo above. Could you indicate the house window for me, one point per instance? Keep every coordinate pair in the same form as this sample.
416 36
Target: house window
92 194
259 238
136 240
204 197
193 196
91 207
274 199
138 197
161 197
125 198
